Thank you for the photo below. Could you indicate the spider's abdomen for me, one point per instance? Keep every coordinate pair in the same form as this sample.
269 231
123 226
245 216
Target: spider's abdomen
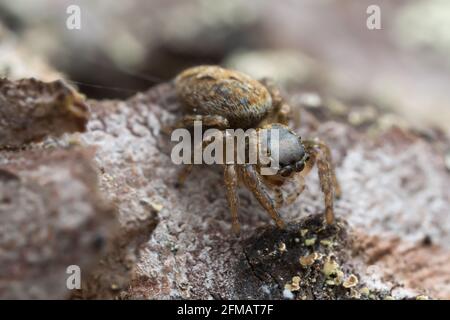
212 90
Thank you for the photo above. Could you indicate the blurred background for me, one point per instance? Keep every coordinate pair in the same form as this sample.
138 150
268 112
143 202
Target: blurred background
312 45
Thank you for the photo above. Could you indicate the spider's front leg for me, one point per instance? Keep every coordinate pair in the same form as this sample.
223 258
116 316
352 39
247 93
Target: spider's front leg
320 153
252 180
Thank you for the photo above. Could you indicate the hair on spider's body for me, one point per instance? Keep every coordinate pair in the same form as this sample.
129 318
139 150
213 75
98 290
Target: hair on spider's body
228 99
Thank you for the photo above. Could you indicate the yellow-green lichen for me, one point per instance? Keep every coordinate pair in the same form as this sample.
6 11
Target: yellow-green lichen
308 260
330 267
365 291
326 242
350 282
355 294
294 285
332 271
310 242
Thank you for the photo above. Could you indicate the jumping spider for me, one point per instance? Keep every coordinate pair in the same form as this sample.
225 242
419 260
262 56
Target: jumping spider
228 99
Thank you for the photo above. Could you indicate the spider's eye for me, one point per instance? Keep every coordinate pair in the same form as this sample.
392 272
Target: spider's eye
299 166
286 171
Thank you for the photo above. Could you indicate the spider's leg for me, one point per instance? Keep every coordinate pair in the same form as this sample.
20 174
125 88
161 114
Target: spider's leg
281 111
231 183
252 180
326 152
295 192
213 121
328 182
279 198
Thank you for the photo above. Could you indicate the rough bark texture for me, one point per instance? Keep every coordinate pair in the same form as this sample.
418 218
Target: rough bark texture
51 216
31 109
392 234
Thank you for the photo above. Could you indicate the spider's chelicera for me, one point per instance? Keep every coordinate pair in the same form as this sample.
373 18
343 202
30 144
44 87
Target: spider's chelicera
225 100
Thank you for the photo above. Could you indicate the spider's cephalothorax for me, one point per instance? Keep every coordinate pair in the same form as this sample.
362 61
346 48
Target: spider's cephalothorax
291 154
228 99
